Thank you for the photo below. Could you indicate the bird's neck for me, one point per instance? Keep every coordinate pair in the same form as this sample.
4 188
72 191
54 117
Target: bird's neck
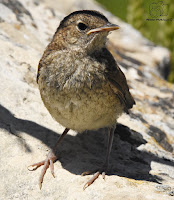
96 44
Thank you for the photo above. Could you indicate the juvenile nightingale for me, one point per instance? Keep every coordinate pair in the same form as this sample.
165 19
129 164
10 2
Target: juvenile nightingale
80 82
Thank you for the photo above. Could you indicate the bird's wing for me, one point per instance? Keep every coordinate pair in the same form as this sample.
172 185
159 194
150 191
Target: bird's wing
118 83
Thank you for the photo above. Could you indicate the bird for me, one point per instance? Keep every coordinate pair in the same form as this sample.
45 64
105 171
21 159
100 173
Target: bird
80 82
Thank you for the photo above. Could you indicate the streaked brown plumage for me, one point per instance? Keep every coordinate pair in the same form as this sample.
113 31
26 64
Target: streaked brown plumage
80 83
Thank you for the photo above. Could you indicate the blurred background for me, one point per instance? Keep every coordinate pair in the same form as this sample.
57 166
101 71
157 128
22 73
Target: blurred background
153 18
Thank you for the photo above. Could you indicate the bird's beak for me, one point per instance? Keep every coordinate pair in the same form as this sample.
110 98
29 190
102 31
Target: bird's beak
106 28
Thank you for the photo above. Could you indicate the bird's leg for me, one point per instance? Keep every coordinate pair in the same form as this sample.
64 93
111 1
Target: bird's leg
105 166
49 161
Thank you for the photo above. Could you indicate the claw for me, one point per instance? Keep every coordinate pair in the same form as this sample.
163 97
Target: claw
46 165
52 168
86 173
91 180
49 161
35 166
103 175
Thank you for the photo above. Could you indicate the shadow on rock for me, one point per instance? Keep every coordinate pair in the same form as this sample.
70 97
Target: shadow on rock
86 151
159 135
15 126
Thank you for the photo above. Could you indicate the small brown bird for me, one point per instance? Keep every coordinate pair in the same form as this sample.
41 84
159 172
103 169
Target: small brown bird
80 83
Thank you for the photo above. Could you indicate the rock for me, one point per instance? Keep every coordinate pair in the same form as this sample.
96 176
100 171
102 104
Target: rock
141 163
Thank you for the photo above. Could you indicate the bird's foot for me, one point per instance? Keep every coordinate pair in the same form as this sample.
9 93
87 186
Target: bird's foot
94 177
48 162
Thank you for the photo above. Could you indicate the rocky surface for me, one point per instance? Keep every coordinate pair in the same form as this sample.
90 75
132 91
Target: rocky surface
141 163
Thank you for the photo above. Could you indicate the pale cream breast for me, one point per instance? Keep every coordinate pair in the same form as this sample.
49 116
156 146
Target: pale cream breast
85 109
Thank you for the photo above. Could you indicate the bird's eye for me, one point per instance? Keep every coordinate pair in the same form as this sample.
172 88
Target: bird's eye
81 26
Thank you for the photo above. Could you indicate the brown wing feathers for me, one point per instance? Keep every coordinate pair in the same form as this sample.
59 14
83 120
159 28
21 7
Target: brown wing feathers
119 85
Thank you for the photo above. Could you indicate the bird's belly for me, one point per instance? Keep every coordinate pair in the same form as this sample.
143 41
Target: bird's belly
84 110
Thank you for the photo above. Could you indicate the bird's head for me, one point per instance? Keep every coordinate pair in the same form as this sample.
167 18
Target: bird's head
84 29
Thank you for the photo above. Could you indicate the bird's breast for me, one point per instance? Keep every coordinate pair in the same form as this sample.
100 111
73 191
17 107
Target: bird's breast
77 94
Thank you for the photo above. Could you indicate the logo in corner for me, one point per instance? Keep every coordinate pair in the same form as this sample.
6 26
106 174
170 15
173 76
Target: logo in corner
158 9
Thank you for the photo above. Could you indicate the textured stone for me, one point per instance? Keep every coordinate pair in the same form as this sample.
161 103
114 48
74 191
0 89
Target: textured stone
141 163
